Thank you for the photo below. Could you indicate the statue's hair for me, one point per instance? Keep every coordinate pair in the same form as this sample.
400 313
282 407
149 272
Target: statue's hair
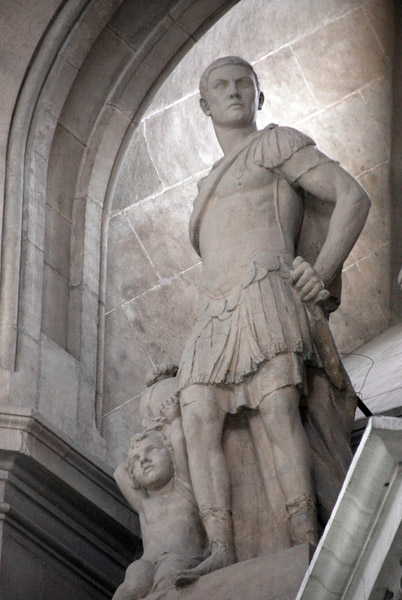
163 371
222 62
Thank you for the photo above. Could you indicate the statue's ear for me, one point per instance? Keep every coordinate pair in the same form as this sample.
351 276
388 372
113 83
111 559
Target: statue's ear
261 99
205 107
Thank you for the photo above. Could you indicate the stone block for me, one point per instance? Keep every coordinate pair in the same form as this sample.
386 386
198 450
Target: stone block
89 334
52 99
55 306
34 213
78 241
86 244
108 57
181 124
359 317
377 183
93 20
24 381
92 244
110 131
378 97
340 57
129 271
58 387
271 27
57 242
162 318
137 177
31 286
146 70
348 133
118 427
375 269
375 234
381 15
126 362
134 21
75 322
281 79
161 224
65 159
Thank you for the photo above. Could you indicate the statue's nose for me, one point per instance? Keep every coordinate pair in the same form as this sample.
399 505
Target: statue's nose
233 91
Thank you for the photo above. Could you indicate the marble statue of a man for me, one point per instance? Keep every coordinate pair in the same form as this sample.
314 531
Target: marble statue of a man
253 342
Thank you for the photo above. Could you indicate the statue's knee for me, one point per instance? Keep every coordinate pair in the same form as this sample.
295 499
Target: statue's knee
280 407
193 422
201 418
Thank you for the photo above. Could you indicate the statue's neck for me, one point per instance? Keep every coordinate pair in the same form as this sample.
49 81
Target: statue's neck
229 138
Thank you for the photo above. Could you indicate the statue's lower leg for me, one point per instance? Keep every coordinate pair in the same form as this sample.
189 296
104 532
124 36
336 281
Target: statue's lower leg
203 422
302 513
221 551
292 460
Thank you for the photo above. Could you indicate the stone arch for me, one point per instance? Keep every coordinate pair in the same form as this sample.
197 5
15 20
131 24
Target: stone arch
91 78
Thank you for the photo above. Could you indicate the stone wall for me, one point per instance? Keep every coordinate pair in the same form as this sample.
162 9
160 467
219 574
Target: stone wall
325 67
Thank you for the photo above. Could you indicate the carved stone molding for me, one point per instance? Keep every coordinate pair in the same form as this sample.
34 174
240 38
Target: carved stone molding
65 531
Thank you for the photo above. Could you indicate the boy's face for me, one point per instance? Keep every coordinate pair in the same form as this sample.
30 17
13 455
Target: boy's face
151 462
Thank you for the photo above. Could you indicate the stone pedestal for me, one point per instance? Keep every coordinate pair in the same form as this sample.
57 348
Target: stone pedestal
65 531
270 577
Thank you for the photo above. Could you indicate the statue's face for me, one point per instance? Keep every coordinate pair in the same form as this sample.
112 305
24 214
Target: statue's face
232 99
151 462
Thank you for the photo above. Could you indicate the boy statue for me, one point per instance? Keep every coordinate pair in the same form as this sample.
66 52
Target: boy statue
156 482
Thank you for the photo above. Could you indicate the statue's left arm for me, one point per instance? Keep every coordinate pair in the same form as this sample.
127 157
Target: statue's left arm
330 183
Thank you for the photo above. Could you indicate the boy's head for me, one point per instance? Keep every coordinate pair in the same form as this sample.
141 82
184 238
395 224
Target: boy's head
150 462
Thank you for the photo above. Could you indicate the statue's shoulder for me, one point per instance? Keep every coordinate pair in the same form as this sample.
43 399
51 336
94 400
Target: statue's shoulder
276 143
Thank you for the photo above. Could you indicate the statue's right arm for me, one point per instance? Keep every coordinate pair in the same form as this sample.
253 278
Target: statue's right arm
125 484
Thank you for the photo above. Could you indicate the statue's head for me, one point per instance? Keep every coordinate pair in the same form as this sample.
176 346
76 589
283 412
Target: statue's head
230 92
150 461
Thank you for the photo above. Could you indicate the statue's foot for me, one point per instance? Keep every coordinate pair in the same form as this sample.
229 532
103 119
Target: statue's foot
219 557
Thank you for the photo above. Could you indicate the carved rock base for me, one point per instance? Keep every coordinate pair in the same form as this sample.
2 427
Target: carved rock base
270 577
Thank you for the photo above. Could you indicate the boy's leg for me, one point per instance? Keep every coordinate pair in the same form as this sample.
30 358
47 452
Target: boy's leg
138 581
292 458
168 569
203 422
